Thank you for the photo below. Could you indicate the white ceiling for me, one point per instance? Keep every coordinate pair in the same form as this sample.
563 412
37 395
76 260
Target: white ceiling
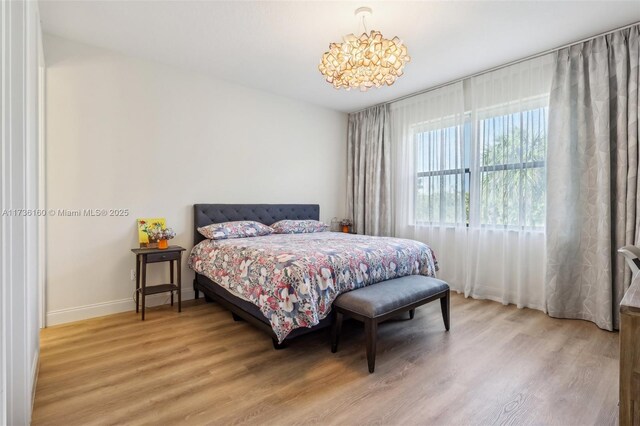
276 46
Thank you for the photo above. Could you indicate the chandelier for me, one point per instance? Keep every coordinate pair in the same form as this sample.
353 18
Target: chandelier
364 62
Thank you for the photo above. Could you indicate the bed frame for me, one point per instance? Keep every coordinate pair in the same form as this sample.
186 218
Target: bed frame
206 214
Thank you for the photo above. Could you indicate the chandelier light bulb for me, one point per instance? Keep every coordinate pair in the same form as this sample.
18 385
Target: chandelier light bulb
370 60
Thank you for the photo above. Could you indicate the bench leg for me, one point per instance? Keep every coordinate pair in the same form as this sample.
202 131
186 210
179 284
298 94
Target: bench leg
336 329
412 313
236 318
371 333
444 305
195 289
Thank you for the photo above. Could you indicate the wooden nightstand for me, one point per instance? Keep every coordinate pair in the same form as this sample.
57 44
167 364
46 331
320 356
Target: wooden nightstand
153 255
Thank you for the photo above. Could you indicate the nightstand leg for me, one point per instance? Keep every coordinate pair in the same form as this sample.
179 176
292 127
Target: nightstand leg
171 279
137 284
179 264
143 281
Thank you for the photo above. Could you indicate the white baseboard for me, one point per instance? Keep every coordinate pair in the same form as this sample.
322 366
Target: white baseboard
35 368
62 316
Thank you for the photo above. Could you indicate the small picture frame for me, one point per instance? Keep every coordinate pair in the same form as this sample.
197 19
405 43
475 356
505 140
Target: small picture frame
143 224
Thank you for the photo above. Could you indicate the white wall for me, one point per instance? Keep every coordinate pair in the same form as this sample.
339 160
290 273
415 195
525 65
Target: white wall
19 176
127 133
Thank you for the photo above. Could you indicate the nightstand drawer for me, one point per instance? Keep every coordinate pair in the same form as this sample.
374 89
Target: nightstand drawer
163 257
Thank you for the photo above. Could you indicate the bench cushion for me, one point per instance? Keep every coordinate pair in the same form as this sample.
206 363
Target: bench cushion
388 296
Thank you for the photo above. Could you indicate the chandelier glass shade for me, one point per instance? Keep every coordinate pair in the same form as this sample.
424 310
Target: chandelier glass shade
364 62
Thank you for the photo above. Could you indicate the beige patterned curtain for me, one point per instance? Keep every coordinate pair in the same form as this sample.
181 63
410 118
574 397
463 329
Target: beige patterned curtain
592 178
368 174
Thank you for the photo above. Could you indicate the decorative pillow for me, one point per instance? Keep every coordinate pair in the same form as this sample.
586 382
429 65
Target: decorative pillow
299 226
238 229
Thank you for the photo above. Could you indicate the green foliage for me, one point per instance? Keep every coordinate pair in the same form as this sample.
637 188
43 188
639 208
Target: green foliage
515 195
511 172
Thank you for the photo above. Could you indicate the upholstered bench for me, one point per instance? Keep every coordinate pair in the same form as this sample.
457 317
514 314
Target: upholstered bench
382 301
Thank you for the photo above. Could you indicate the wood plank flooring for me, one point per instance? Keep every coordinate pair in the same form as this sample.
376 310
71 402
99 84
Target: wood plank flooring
497 365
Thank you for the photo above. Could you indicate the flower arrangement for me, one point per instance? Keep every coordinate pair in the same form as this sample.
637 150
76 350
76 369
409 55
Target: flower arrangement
158 233
346 225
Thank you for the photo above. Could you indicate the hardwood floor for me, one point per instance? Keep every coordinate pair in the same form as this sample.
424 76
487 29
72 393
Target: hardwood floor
497 365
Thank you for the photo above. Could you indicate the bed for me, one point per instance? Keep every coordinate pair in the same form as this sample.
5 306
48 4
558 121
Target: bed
285 283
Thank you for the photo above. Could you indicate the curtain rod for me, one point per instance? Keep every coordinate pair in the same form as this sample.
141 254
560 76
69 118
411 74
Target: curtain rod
517 61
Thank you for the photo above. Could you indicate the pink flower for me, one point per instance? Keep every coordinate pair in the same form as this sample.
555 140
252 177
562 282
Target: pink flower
272 302
257 292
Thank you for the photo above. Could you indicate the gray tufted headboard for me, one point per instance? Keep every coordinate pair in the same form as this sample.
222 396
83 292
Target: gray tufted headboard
206 214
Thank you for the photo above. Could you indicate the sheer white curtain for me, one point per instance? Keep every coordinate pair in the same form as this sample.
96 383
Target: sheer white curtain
469 180
506 231
428 174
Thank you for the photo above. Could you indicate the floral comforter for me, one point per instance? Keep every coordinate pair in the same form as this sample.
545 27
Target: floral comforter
294 278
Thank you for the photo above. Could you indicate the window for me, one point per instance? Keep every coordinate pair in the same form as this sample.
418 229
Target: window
442 193
498 183
512 168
